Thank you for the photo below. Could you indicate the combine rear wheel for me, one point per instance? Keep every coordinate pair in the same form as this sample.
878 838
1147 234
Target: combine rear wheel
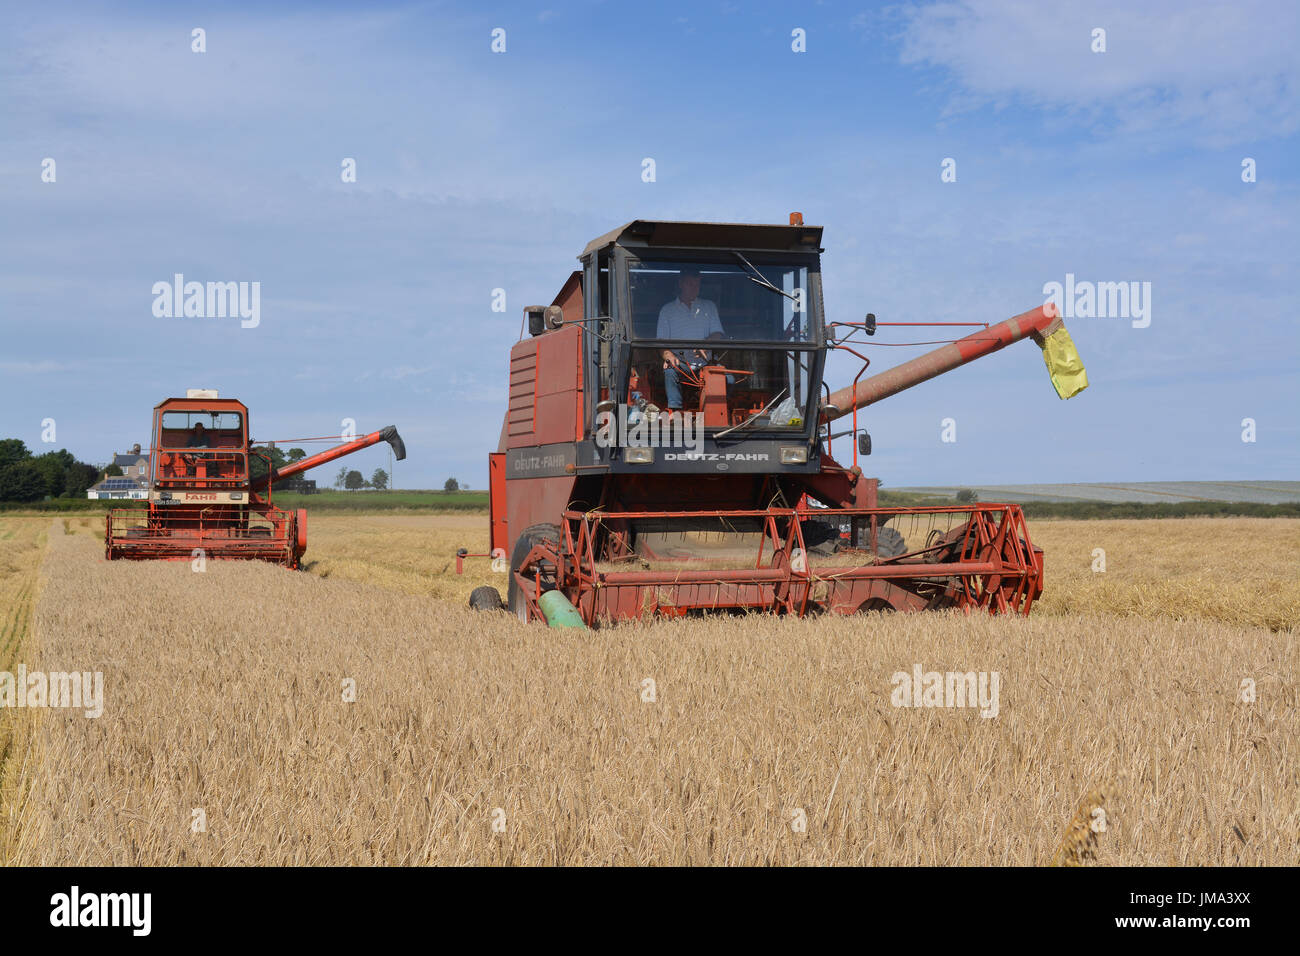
889 541
822 536
528 539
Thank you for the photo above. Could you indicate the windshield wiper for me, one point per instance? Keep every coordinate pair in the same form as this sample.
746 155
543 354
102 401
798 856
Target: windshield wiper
760 279
752 418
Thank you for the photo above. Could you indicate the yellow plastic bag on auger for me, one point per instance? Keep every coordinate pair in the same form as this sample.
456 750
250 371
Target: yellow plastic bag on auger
1068 375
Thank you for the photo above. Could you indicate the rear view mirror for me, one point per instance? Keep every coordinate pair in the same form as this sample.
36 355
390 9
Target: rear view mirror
864 443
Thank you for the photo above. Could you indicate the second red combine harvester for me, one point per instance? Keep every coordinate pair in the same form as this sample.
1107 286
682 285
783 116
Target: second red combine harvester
203 497
667 445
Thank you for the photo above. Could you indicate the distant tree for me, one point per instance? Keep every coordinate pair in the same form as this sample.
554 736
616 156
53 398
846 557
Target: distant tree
340 480
354 480
296 454
23 481
257 458
967 496
53 466
54 474
12 451
112 471
79 478
379 480
450 485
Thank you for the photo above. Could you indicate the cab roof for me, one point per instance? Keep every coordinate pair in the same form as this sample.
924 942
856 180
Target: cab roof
201 404
716 235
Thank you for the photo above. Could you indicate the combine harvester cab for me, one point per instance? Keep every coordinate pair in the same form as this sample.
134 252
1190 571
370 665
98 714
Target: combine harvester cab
202 498
668 444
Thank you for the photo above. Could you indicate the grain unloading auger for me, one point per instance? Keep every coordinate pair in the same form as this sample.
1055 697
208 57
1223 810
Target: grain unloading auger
667 446
203 497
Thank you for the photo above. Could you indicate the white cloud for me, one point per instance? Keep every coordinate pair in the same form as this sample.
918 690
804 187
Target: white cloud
1224 72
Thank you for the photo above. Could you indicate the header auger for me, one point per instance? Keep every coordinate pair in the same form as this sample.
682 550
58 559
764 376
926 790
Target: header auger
667 444
203 498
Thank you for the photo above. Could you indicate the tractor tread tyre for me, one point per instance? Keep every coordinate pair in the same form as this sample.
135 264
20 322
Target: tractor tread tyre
889 542
821 535
485 598
523 544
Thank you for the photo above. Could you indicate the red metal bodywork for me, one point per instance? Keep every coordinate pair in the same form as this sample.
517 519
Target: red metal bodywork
497 502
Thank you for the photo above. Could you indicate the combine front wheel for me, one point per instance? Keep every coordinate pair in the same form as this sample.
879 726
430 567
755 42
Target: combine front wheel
485 598
299 537
529 538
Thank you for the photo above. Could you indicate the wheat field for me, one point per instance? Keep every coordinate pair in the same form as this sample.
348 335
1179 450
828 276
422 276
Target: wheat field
1235 570
230 734
22 545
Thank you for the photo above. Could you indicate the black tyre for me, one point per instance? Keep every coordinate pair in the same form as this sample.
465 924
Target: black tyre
876 604
821 535
889 541
527 540
486 598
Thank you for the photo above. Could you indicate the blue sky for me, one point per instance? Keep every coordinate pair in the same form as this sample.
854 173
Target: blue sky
479 170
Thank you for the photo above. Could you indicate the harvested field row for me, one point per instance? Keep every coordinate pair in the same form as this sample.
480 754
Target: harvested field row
22 546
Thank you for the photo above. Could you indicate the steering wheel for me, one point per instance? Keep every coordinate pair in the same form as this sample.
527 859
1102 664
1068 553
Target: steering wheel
716 357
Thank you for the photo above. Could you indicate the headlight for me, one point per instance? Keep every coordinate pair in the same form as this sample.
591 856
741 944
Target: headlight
794 456
639 456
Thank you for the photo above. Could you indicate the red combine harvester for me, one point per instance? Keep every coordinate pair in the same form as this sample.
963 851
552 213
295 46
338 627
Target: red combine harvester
667 445
202 495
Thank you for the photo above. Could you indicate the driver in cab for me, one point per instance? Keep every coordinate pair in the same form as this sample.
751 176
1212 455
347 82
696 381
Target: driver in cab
686 317
198 437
